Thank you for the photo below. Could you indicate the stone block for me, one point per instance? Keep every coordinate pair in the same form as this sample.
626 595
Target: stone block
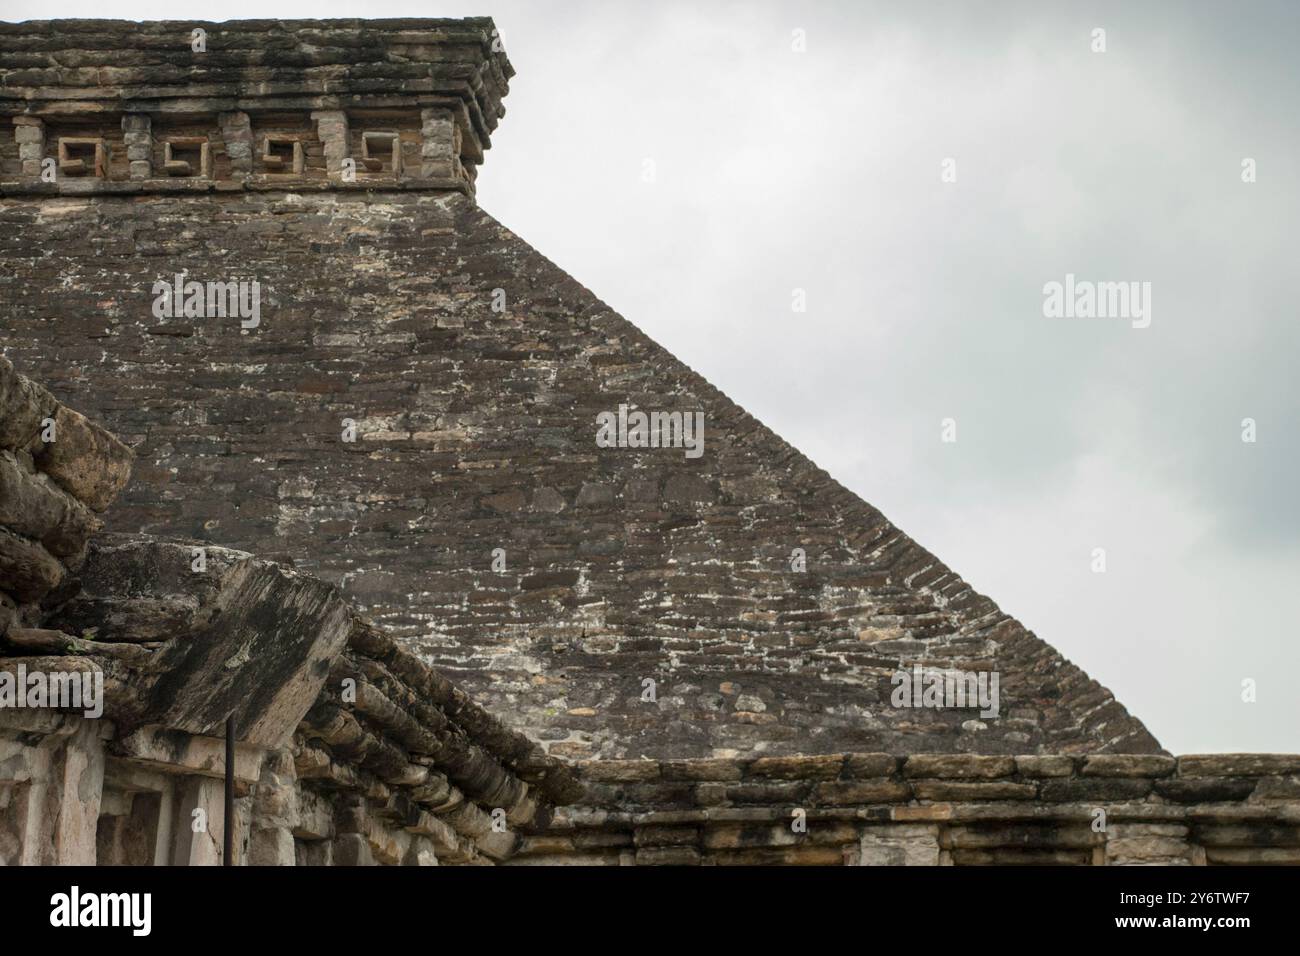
273 847
87 461
703 769
958 766
1127 765
33 506
267 677
1098 789
1032 765
1237 765
1206 789
24 405
857 766
857 792
973 790
1253 856
799 767
899 845
27 570
667 856
666 836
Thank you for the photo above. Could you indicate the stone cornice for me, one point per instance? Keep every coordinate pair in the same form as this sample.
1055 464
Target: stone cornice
439 78
48 65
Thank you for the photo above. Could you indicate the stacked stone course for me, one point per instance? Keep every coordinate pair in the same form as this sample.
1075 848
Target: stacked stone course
301 80
875 809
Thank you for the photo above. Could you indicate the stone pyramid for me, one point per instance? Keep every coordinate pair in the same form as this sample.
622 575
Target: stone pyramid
419 409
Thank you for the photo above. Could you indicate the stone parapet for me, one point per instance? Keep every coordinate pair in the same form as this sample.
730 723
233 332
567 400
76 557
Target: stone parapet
931 809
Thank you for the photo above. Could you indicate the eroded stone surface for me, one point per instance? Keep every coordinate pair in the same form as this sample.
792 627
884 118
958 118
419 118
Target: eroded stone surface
612 574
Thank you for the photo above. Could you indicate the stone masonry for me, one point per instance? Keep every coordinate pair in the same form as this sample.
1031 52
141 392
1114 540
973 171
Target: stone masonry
874 809
371 523
474 515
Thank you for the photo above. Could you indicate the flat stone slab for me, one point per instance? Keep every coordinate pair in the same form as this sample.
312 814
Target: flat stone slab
1237 765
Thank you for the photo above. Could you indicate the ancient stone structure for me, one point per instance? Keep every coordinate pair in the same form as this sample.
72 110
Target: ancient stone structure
475 514
252 251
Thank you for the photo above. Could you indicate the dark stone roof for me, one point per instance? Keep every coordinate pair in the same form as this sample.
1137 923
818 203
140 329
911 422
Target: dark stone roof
477 431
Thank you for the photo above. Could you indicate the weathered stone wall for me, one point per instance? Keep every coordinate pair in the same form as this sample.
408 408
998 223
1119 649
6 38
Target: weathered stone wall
928 810
476 431
135 87
474 514
351 750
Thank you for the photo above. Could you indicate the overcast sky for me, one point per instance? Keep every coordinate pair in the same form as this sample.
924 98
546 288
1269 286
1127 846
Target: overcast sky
820 170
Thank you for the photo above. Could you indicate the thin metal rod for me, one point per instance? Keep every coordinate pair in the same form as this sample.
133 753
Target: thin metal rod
228 852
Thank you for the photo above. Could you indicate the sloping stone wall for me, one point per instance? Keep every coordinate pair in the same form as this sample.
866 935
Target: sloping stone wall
476 431
351 750
931 810
614 601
